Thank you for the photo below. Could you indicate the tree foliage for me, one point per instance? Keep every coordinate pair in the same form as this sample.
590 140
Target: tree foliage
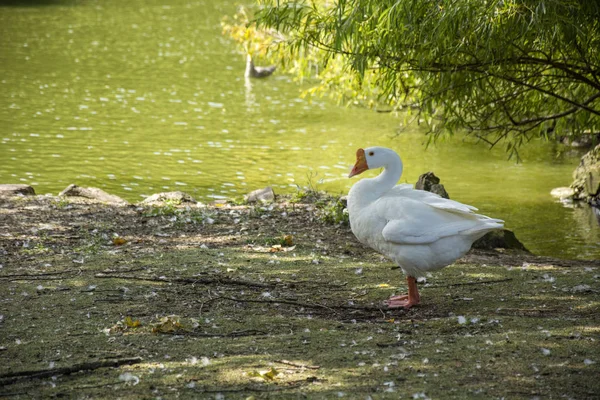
504 70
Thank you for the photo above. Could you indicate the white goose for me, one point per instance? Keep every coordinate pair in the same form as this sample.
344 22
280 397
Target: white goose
418 230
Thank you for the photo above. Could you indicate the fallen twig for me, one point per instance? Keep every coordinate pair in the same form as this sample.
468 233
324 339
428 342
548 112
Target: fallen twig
248 332
290 302
42 274
302 304
11 394
109 271
313 283
472 283
201 281
293 364
224 280
392 344
46 276
524 312
12 377
49 278
249 388
98 385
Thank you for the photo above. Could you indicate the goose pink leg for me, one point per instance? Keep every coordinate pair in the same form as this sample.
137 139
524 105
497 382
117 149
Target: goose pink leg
406 300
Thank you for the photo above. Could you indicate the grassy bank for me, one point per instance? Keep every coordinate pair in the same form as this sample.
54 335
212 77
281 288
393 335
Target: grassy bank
237 301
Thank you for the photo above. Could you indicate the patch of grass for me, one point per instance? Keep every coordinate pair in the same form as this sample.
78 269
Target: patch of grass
238 201
179 215
61 202
92 242
38 248
333 210
281 240
309 193
258 210
301 196
169 208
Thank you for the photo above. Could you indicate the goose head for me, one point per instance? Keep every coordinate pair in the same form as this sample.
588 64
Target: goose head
374 157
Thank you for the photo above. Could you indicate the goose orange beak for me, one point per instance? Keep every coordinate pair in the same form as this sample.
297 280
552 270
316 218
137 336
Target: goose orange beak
361 164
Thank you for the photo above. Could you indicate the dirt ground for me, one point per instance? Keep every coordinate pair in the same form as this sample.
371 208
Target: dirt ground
268 301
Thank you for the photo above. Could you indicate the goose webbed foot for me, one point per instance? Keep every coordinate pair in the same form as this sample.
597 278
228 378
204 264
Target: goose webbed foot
405 300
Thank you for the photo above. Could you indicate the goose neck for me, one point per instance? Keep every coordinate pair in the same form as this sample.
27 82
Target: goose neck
389 177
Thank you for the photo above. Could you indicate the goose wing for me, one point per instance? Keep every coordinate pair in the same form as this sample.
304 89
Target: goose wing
420 217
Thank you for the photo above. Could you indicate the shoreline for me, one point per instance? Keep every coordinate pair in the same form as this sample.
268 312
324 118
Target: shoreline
332 205
175 205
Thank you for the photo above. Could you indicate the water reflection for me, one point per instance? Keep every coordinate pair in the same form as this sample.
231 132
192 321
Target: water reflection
585 228
250 98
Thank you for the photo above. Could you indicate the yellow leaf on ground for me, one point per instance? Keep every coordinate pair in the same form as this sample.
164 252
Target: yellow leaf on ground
266 375
117 241
270 375
288 240
383 285
130 322
168 325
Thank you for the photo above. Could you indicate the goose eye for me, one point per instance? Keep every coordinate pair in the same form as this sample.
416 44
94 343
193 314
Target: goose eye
371 153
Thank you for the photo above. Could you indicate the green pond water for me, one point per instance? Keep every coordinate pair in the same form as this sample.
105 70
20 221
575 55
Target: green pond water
140 97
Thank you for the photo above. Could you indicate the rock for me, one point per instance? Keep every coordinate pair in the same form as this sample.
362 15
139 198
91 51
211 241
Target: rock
499 239
586 184
584 141
92 193
431 183
176 197
9 189
563 193
265 195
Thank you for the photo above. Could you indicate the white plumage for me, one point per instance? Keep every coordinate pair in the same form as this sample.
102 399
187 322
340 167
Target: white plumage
418 230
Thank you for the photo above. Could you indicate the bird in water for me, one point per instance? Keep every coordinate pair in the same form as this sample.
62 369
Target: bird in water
257 72
418 230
